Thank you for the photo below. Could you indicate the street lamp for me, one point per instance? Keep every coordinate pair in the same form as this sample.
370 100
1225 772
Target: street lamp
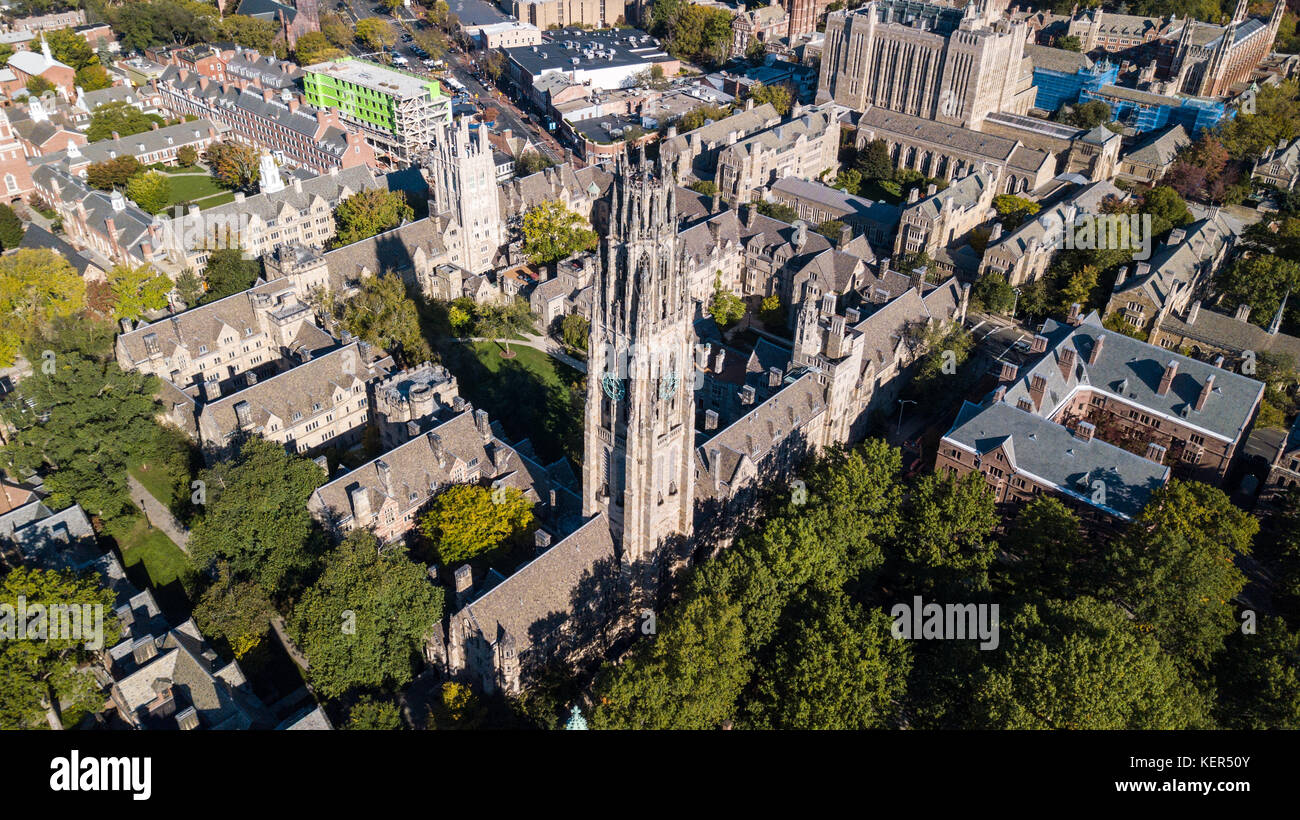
901 403
1015 301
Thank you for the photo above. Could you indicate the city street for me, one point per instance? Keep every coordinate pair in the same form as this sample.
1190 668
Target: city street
510 117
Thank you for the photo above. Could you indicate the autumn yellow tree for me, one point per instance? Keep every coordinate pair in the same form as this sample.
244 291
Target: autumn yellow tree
36 287
468 521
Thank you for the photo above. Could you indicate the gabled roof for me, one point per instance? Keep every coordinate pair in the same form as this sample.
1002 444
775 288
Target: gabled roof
1054 455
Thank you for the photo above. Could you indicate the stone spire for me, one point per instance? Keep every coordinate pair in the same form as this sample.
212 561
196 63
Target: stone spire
269 174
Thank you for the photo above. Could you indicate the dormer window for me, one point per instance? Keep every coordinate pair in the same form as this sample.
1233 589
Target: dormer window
203 349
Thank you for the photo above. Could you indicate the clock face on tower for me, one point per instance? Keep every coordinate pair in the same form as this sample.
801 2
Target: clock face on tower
668 385
613 386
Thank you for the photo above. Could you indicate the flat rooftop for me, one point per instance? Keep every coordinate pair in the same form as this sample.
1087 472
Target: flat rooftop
377 77
578 50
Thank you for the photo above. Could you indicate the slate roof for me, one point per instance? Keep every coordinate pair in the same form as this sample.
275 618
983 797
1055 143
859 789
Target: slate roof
518 195
146 142
1086 199
1057 59
535 601
849 205
1178 265
1218 329
415 471
758 432
394 250
1053 454
203 326
38 237
1131 370
741 122
295 391
1160 149
965 193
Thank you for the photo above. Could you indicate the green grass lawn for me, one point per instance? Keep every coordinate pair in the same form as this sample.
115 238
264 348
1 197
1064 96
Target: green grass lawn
214 201
151 559
194 186
532 395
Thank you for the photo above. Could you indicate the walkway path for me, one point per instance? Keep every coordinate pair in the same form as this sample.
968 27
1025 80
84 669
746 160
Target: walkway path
158 514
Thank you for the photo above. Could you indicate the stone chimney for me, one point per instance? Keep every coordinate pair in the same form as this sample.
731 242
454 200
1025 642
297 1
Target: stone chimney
1167 378
1205 392
747 395
464 584
483 425
835 339
774 376
435 445
1243 313
1193 312
542 541
995 233
360 505
719 359
710 419
1095 354
1155 452
1085 430
702 356
212 390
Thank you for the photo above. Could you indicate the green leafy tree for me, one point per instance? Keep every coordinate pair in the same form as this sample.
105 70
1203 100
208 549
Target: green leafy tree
137 290
113 173
1261 281
466 522
36 287
849 180
779 96
1174 569
575 330
832 229
227 272
235 611
36 86
772 312
1276 118
1045 551
1087 115
725 307
92 78
384 315
836 667
364 622
120 117
369 213
531 162
993 293
255 516
87 418
874 162
151 190
1081 665
70 48
251 32
48 683
377 34
11 228
369 714
943 350
689 677
1014 210
697 117
1259 678
552 232
777 210
187 156
315 47
1069 43
707 187
948 528
189 287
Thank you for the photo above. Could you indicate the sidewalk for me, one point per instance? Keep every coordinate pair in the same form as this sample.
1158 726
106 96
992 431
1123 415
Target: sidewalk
158 514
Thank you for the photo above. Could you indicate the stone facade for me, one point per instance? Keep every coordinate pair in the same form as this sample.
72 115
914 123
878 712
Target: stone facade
464 189
932 61
807 146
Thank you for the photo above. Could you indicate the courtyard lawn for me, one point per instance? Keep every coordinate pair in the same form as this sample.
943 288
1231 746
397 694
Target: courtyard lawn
151 559
531 394
194 186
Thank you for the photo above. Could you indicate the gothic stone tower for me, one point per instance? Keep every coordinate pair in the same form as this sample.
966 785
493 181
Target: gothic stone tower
464 189
638 464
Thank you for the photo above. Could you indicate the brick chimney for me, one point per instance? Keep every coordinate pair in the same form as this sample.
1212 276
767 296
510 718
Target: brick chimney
1039 344
1075 309
1167 378
1085 430
1095 354
1205 392
1067 362
1155 452
1037 389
